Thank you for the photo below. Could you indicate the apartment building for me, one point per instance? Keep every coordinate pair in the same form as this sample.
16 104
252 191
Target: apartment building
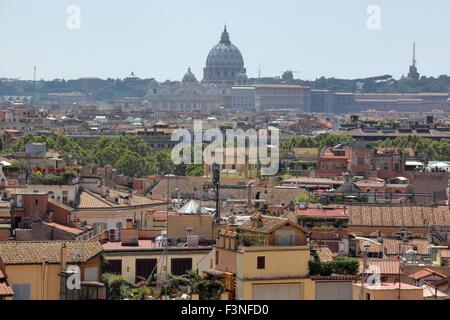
139 260
34 267
257 252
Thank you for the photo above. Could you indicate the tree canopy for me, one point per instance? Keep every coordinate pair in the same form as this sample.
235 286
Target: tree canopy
322 140
129 154
425 148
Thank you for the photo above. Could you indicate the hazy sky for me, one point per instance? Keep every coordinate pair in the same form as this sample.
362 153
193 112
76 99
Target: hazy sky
161 38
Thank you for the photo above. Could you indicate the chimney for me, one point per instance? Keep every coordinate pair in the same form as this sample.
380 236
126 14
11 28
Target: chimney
257 221
63 256
130 235
130 224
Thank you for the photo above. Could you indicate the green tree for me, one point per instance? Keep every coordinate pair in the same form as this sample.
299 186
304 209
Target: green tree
117 286
131 164
164 163
194 170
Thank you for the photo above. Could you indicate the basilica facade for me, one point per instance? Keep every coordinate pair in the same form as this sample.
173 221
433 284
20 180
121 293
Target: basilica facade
224 68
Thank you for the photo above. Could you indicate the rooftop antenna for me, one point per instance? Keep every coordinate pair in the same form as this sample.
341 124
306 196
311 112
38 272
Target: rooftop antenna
259 70
34 85
414 61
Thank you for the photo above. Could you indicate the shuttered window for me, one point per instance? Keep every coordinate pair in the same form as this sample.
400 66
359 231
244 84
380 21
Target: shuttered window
261 262
144 268
114 266
181 265
22 291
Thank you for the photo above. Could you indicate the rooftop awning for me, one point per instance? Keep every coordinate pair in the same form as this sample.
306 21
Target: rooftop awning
413 163
192 207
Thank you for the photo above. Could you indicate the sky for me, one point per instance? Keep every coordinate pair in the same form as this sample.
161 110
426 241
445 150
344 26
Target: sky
161 38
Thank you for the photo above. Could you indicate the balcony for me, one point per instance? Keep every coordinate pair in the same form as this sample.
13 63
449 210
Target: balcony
55 176
262 243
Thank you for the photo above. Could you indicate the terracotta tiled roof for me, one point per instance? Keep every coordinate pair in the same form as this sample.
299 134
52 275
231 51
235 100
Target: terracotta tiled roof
373 248
58 226
324 212
323 252
135 200
444 253
4 204
229 233
89 200
426 272
391 247
398 215
385 266
268 224
5 290
370 183
32 252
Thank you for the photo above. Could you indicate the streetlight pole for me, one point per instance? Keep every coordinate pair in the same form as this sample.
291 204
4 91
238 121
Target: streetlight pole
216 184
367 242
363 275
402 235
167 176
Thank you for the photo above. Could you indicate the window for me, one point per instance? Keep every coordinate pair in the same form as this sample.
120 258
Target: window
397 167
90 274
22 291
386 167
360 161
261 262
36 201
180 266
113 266
65 196
144 268
217 257
285 237
138 224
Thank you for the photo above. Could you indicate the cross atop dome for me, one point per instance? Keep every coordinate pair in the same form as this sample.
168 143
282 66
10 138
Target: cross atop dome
225 38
